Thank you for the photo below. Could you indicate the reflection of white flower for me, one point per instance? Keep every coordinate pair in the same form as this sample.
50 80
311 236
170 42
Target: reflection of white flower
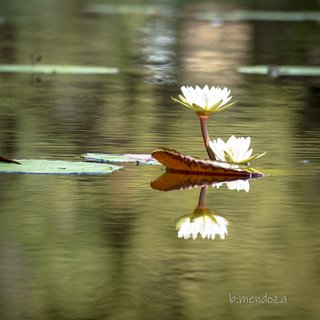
235 150
204 223
234 185
204 101
238 185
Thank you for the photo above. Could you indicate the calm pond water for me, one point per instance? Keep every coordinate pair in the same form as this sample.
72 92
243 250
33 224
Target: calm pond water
106 247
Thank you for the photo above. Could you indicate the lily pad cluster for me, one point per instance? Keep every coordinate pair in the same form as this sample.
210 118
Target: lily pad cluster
225 157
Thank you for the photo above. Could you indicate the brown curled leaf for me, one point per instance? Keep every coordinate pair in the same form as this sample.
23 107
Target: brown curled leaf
177 162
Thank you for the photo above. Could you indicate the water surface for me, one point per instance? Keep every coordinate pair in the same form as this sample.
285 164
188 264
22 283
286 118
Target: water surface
106 247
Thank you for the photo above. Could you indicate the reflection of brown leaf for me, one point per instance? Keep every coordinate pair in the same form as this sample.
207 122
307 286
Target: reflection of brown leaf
3 159
177 181
177 162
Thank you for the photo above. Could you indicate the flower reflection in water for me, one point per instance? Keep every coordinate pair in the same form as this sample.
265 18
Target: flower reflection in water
234 185
202 222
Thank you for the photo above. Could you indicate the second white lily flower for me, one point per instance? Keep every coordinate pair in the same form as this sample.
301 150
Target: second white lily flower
235 150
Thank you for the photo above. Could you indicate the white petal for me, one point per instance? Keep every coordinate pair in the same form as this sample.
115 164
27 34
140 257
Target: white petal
187 94
231 140
225 101
198 97
248 154
241 147
198 90
218 148
237 147
247 143
206 89
245 146
193 94
231 146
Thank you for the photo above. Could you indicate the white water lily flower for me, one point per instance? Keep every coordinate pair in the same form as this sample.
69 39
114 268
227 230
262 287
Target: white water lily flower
235 150
205 223
205 101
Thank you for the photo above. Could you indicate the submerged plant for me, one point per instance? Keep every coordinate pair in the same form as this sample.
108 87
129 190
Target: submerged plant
235 150
205 101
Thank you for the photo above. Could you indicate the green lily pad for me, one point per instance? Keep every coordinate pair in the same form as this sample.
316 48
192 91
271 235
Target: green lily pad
114 158
259 16
49 69
103 8
57 167
281 70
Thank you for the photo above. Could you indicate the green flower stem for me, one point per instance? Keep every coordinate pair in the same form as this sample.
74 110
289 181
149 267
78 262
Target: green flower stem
205 135
202 198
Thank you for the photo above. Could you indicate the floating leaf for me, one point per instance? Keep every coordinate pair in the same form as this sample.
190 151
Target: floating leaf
57 167
103 8
177 162
114 158
49 69
259 16
276 71
176 181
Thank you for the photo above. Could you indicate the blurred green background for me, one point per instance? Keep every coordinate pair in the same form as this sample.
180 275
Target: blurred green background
105 247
